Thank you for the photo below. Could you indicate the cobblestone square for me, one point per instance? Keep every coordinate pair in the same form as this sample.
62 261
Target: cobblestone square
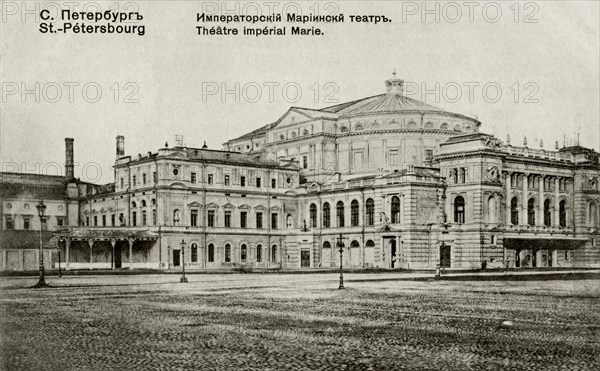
298 322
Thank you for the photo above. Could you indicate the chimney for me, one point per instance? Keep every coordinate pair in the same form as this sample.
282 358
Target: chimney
69 163
120 146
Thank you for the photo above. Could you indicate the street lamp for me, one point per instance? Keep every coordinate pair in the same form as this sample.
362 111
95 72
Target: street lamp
340 245
183 278
59 270
41 208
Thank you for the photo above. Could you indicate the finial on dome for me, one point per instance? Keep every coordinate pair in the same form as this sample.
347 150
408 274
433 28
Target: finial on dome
394 85
541 143
204 146
525 141
507 138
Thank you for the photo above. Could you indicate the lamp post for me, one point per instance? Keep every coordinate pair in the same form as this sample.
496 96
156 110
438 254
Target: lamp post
340 245
183 278
41 208
169 257
59 270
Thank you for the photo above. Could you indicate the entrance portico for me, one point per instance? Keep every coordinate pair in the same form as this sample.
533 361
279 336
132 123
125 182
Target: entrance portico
539 252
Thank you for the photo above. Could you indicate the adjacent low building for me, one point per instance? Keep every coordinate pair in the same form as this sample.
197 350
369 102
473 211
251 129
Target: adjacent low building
400 183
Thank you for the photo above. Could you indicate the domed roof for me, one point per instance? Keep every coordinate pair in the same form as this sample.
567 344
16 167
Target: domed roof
394 102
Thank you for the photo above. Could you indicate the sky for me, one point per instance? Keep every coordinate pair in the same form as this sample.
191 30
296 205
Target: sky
526 69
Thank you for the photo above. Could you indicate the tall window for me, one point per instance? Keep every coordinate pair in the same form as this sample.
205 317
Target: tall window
339 214
531 211
459 210
134 218
113 219
227 253
193 178
210 179
562 213
273 220
514 211
305 162
273 183
289 222
211 253
155 177
393 157
395 209
428 154
226 180
492 210
592 214
243 181
227 219
95 220
144 218
313 215
143 178
153 217
244 253
259 253
211 218
370 212
354 213
194 218
194 251
547 214
274 253
243 219
258 181
26 223
134 180
259 220
326 215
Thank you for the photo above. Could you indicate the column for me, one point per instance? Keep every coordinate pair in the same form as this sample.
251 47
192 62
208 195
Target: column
398 251
555 216
540 216
67 245
382 251
524 201
91 243
131 241
508 197
113 242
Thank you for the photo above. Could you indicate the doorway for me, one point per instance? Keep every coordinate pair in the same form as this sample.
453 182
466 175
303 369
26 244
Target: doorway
445 256
118 256
393 252
305 258
176 258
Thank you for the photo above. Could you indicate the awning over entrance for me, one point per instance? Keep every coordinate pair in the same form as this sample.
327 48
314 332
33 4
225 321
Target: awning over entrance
106 234
547 243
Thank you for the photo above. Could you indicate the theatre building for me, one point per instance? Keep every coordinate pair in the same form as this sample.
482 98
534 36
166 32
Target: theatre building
402 184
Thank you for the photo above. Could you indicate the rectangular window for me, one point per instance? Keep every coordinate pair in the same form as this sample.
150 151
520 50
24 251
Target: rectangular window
274 221
121 219
243 219
144 218
243 181
226 180
26 222
428 154
143 178
95 220
273 183
122 181
227 219
211 218
87 221
211 253
305 162
194 218
358 160
134 218
10 224
193 178
60 221
104 220
194 253
258 182
155 177
259 220
153 216
492 239
393 157
112 220
133 181
210 179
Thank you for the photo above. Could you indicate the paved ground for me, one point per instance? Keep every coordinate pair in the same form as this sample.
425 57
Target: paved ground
299 322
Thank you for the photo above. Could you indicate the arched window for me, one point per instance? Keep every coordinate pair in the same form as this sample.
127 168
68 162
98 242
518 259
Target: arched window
514 211
244 253
153 202
340 214
354 244
176 217
444 126
593 214
143 203
293 134
274 253
370 243
562 213
354 213
326 215
492 210
412 125
326 245
344 129
370 206
459 210
531 211
259 253
227 253
133 204
281 137
395 209
305 132
211 253
358 127
429 125
289 221
194 253
547 214
313 215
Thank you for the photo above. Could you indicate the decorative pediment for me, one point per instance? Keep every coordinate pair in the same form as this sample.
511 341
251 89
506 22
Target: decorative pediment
111 209
102 211
260 208
292 117
177 154
194 204
228 206
275 208
178 185
244 207
212 205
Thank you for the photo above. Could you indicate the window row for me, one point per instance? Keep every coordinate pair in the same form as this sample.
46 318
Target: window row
340 218
10 222
548 183
211 219
226 253
210 179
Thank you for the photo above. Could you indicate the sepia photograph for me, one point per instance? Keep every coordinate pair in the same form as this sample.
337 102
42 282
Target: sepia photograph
299 185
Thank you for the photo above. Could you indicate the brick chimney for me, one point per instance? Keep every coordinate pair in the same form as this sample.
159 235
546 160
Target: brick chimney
69 163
